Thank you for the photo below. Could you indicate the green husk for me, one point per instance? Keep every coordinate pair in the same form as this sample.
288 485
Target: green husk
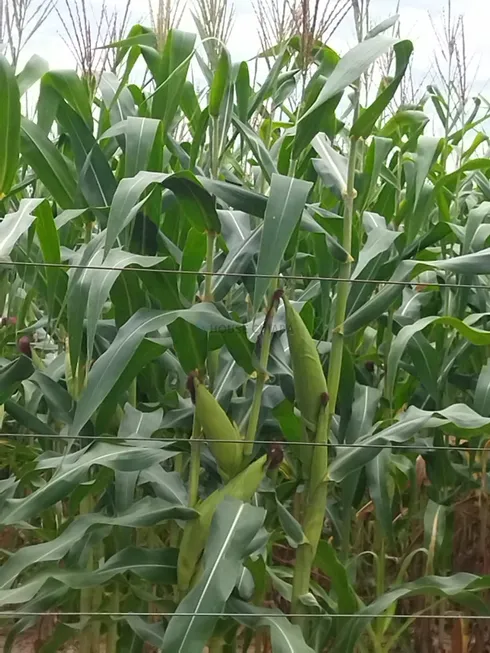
309 380
242 487
217 427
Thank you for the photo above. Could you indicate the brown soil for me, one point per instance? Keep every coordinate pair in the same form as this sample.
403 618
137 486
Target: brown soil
28 644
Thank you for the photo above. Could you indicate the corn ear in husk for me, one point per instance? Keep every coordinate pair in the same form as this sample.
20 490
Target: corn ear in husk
242 487
217 427
309 380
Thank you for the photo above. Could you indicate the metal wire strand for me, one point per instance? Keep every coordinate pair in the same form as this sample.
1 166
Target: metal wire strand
292 277
256 615
334 445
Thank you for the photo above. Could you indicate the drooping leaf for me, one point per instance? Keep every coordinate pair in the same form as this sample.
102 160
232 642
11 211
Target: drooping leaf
15 224
112 363
351 67
286 637
144 513
31 73
48 164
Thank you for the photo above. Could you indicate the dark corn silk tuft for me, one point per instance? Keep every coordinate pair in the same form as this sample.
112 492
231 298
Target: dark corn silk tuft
278 294
275 455
276 297
9 321
369 365
24 346
190 385
324 397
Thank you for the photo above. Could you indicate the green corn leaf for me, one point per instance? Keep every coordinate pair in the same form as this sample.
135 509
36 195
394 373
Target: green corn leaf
459 588
12 374
464 327
98 284
71 88
15 224
48 236
379 482
192 259
190 344
156 565
462 419
284 210
166 485
235 227
481 401
71 475
237 260
257 147
135 424
220 83
328 561
286 638
48 163
427 148
196 203
233 528
363 126
351 67
332 166
242 91
146 352
9 126
142 514
170 75
117 98
140 136
125 204
59 401
31 73
97 180
110 365
153 633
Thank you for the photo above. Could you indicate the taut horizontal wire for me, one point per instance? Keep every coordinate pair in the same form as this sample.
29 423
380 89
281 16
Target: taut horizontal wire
334 445
292 277
256 615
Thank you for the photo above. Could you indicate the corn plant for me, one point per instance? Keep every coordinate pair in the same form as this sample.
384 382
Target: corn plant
244 376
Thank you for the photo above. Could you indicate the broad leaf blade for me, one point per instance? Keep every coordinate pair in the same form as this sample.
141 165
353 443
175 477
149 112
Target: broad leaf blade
234 526
284 210
9 126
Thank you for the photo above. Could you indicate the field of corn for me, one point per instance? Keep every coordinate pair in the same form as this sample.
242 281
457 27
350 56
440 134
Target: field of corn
244 345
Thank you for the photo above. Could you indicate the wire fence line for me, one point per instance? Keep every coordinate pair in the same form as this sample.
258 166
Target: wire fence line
239 615
426 447
291 277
